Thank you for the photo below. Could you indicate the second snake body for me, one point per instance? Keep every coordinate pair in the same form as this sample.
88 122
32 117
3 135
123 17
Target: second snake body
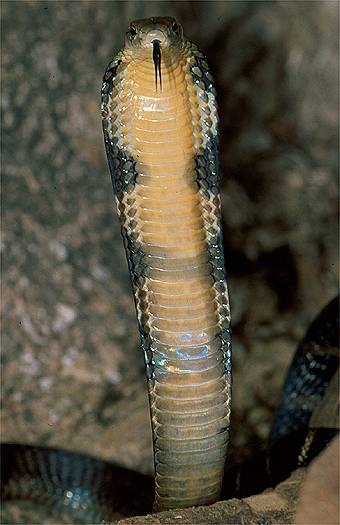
160 127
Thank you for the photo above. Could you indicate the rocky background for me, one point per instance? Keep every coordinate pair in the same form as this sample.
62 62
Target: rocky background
73 374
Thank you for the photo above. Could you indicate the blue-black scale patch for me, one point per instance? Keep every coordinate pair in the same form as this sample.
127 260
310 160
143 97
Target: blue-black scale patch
226 349
109 76
207 167
148 358
200 72
216 259
135 255
215 249
123 176
122 168
138 271
315 362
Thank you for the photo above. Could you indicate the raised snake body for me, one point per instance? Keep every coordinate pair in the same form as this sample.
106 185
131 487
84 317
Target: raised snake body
161 141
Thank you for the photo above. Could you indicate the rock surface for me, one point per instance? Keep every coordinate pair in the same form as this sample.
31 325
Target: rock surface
73 375
271 507
319 498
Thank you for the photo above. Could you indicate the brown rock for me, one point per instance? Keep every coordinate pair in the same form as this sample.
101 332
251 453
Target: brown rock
272 507
319 500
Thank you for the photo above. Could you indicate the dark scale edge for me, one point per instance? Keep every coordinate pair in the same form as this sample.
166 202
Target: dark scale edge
109 76
123 177
207 168
140 301
148 358
218 273
122 168
200 71
138 272
208 178
135 255
313 366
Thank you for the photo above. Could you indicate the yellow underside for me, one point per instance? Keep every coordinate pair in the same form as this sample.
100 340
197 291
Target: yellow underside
177 303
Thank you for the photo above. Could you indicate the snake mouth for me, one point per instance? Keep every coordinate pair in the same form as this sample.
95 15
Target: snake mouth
156 55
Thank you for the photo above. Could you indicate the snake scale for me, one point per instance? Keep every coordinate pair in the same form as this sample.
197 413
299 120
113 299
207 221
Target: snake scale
161 137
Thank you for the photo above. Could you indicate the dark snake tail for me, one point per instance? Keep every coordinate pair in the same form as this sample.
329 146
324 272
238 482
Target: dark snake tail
313 366
275 464
292 442
65 483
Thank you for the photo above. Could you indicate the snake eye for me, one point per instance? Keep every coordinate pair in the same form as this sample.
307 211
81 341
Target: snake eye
174 26
133 30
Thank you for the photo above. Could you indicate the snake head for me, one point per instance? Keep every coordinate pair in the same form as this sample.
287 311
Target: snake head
158 35
143 32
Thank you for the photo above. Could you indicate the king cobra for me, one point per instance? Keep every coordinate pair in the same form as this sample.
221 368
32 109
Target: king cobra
161 137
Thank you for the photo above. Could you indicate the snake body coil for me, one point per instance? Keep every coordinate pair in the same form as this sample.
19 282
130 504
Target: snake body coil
162 146
81 489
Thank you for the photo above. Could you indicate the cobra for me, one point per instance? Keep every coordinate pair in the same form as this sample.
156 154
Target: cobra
161 136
